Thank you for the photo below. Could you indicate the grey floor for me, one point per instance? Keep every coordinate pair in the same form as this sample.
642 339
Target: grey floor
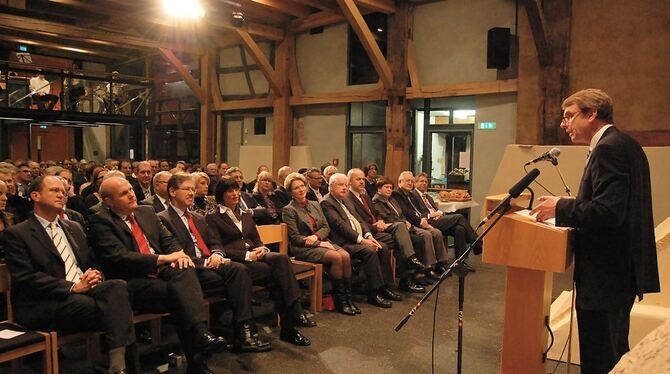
368 343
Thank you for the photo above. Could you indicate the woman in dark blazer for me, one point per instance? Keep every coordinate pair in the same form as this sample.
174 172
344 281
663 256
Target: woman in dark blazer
308 233
242 243
202 203
264 193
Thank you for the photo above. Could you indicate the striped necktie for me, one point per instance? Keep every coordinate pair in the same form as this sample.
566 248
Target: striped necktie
72 271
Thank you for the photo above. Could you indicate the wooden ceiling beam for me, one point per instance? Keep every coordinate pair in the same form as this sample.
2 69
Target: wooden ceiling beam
36 26
538 26
261 60
230 105
61 47
364 34
326 5
185 75
285 7
383 6
318 19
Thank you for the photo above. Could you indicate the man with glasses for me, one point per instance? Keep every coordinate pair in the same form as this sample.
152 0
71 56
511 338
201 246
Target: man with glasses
23 178
161 199
315 191
615 251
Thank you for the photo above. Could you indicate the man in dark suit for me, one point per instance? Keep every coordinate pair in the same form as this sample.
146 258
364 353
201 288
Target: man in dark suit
132 244
435 254
452 224
280 191
393 234
218 275
352 233
615 251
142 185
247 201
315 190
160 200
54 284
213 175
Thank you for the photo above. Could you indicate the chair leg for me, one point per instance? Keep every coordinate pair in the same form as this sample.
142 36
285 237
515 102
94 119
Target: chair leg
47 357
155 331
93 348
16 366
55 363
319 288
312 294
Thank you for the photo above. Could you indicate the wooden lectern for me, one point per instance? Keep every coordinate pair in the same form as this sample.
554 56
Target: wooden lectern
532 252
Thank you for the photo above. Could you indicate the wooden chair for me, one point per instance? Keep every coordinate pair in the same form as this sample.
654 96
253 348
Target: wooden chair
313 273
29 342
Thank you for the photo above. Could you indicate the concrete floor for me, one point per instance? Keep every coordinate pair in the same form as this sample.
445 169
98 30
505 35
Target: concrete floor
368 343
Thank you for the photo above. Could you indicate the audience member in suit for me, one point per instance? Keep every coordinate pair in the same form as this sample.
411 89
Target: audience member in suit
266 197
328 171
54 283
315 191
371 170
241 242
308 234
615 249
435 253
74 201
247 201
211 172
160 200
280 191
202 203
251 186
142 186
394 234
6 218
351 232
452 224
92 195
23 179
133 245
217 274
96 179
18 206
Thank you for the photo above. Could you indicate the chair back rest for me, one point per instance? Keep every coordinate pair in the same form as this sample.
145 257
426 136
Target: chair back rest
5 289
271 234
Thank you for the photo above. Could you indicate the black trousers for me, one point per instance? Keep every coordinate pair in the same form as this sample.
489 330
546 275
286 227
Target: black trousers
603 337
376 264
39 100
234 282
105 307
458 227
178 292
274 271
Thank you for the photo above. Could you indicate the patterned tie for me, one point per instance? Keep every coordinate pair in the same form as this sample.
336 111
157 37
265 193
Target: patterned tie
428 204
270 206
354 222
138 235
72 271
198 238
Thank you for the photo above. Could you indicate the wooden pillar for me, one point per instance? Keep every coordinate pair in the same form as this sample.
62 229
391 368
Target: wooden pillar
397 137
282 111
207 120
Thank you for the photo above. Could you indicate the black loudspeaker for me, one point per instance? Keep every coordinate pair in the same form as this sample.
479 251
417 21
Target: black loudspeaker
498 47
259 125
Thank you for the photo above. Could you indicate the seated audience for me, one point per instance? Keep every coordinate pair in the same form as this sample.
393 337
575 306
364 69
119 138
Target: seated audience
328 171
247 201
19 207
40 90
55 285
6 218
217 274
252 185
241 242
143 187
161 199
132 244
370 170
280 191
203 203
92 195
308 233
265 196
211 171
315 191
351 232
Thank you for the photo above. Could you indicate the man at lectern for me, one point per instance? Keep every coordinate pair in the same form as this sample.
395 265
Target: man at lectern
615 251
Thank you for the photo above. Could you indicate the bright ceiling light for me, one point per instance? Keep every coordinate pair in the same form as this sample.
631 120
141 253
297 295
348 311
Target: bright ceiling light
190 9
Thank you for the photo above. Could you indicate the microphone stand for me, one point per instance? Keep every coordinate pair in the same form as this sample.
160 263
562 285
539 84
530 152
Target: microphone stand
461 272
567 189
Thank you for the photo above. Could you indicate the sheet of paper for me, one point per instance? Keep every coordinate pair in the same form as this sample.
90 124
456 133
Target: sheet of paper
9 334
526 213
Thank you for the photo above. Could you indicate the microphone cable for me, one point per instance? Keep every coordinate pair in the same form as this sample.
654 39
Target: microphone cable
432 342
525 168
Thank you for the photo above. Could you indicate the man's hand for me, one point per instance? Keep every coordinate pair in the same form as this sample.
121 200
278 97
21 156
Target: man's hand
408 225
546 209
87 281
436 214
424 223
216 260
182 263
261 252
381 225
171 258
371 243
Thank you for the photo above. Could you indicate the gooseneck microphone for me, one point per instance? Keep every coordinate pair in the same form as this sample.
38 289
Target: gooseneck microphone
513 193
551 155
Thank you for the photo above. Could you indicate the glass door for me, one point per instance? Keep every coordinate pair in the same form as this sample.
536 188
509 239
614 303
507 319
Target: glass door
449 158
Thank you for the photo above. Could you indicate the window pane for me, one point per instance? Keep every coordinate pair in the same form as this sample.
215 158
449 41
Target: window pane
367 148
418 141
464 117
439 117
367 114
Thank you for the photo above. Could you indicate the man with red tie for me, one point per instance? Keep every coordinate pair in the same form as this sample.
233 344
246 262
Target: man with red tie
217 274
133 245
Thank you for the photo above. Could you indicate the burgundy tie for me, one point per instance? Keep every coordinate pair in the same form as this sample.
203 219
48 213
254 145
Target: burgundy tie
367 207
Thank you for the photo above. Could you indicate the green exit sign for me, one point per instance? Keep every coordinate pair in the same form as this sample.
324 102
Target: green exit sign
487 125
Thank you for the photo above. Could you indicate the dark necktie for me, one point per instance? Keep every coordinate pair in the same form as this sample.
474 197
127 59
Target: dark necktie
198 238
367 207
138 235
270 206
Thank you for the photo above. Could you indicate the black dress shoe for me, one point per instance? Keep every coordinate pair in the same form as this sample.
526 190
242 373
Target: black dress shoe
212 344
433 275
423 281
342 306
353 306
390 295
294 336
409 286
467 267
199 368
378 301
143 334
303 321
413 263
247 341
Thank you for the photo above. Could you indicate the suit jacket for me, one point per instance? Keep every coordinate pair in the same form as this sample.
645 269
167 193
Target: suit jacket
77 203
235 243
139 193
75 216
312 196
341 231
408 202
615 250
37 269
116 248
278 204
283 195
170 218
299 225
20 207
385 211
369 216
422 206
259 213
155 203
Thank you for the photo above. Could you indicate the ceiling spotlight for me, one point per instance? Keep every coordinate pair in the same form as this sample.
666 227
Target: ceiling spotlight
184 9
238 19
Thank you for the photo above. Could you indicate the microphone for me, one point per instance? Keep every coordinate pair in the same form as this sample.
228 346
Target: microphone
513 193
550 155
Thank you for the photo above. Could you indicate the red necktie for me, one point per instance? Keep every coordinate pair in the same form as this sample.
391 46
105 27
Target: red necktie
138 235
367 208
201 243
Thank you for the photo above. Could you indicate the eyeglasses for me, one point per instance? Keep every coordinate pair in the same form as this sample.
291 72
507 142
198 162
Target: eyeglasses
187 189
568 117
